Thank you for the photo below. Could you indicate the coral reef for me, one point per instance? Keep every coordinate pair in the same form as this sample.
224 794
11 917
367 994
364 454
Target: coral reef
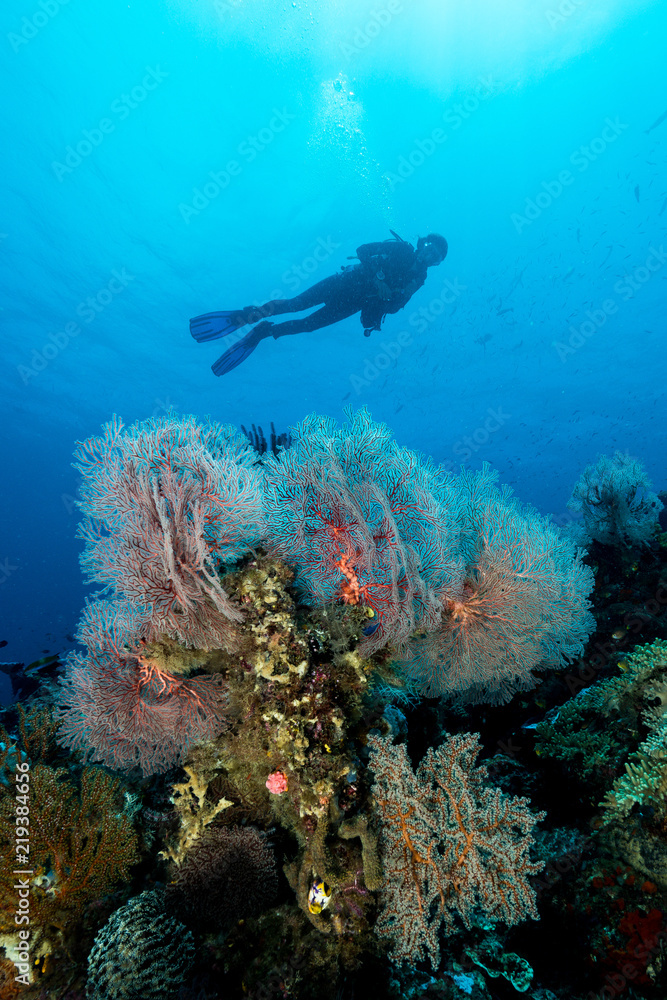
194 809
228 874
616 501
645 780
273 617
521 603
362 520
73 836
141 952
167 501
121 708
449 845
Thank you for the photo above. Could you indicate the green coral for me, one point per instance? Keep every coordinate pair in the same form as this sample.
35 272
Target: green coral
594 732
591 734
645 780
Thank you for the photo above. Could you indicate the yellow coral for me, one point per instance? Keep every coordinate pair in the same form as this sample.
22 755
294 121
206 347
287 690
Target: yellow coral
194 813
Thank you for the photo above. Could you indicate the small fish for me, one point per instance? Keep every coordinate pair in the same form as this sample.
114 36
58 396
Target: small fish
637 191
3 642
517 280
347 395
658 121
503 311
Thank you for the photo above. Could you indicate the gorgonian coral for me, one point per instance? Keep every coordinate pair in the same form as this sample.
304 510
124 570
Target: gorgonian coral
167 501
616 501
121 708
362 521
521 601
449 844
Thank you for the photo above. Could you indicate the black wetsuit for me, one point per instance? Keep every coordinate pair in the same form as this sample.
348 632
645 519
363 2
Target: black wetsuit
383 281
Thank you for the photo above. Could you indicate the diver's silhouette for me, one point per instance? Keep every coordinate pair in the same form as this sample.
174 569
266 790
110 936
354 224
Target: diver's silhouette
386 277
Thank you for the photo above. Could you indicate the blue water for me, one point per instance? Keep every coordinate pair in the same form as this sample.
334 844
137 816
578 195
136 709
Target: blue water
164 159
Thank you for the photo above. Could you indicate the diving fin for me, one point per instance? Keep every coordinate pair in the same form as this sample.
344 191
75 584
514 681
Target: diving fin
210 326
239 352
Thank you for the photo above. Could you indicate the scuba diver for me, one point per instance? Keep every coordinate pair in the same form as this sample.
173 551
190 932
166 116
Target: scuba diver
386 277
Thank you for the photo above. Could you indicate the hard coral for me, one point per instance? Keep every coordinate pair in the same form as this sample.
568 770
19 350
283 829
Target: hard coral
142 952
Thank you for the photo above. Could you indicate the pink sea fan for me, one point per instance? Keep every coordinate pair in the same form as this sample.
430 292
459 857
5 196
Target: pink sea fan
522 602
122 709
168 501
360 519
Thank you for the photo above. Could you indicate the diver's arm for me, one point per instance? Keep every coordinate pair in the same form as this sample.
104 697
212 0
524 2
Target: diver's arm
401 299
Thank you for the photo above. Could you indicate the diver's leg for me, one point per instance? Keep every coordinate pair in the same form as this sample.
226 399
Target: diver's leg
328 314
333 287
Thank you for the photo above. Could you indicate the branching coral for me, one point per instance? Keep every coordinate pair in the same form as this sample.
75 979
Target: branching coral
645 780
362 521
522 601
167 501
616 501
195 811
450 844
